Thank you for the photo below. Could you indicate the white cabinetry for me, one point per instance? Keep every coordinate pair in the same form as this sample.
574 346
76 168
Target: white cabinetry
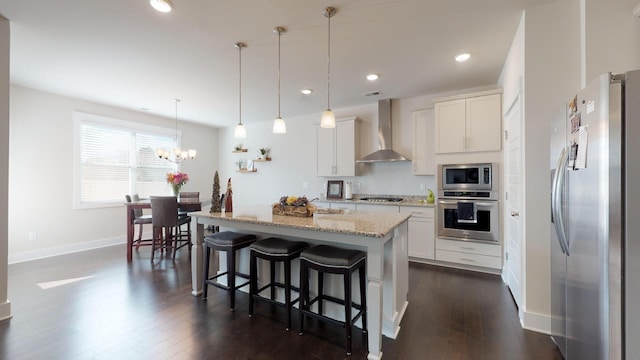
337 147
469 253
343 206
423 143
468 124
378 208
421 232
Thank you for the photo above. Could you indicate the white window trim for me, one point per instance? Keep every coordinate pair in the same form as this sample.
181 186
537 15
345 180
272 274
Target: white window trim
81 117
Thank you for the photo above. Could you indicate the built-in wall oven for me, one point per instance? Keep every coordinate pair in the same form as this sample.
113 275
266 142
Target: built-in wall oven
468 206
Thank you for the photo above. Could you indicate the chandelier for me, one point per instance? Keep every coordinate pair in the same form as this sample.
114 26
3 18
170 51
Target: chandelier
179 155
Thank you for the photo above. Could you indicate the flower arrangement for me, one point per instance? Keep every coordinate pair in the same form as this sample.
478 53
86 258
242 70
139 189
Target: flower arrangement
176 180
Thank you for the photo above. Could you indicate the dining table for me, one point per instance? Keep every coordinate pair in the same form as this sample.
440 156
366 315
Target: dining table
186 204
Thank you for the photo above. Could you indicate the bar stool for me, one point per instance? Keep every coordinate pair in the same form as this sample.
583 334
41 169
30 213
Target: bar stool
274 250
333 260
230 242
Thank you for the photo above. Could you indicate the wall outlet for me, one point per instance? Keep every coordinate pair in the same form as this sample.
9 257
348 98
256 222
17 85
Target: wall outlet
305 185
33 236
423 187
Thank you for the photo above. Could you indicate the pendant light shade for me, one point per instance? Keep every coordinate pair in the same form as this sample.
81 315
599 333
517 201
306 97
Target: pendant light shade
279 126
240 132
328 119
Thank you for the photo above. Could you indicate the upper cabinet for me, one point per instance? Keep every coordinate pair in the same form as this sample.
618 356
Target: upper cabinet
337 148
468 124
423 159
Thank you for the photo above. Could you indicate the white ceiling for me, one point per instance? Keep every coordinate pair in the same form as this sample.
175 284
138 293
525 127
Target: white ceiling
124 53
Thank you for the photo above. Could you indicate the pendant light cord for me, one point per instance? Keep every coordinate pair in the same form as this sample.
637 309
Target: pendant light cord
240 87
176 100
279 36
328 59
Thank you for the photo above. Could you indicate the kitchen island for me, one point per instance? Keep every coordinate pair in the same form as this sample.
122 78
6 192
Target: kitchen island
382 236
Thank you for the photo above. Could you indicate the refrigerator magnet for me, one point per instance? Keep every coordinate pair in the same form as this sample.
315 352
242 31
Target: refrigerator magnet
575 122
573 154
581 154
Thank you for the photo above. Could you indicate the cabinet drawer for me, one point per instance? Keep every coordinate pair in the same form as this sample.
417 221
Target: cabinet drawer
492 262
378 208
469 247
341 205
418 211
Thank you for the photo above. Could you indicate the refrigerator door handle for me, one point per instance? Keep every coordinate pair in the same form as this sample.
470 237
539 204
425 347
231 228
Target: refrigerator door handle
556 199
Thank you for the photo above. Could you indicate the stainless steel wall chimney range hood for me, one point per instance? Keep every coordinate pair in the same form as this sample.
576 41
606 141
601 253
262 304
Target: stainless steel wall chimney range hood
386 153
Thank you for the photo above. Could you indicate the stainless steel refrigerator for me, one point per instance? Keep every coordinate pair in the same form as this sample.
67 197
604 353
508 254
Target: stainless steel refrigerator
595 216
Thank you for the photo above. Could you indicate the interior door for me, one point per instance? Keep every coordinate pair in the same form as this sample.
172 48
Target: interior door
513 201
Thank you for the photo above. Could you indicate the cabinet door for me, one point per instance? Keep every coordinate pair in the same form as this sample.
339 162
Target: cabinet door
345 152
450 119
423 143
484 123
325 151
421 238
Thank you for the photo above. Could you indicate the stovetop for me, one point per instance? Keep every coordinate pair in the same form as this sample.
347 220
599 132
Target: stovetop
381 199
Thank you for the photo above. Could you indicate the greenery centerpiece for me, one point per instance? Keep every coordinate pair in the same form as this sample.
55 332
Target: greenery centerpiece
176 180
294 206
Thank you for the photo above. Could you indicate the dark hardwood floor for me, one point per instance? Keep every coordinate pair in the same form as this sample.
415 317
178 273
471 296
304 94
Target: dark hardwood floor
115 310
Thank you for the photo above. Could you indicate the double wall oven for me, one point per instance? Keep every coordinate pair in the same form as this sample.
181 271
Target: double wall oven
468 206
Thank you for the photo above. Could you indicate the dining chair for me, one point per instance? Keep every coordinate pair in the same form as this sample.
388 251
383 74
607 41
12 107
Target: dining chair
187 196
140 219
166 224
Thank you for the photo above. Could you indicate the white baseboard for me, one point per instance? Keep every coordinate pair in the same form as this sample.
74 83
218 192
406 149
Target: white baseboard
536 322
5 310
42 253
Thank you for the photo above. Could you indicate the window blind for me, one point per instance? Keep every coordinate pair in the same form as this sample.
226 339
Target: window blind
115 161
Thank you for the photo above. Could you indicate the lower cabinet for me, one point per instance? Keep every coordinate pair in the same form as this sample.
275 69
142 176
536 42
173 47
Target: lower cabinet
421 232
469 253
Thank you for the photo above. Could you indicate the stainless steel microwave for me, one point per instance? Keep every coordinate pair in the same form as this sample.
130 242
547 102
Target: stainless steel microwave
466 176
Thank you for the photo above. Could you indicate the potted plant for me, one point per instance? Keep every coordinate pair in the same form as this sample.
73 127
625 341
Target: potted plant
239 148
263 153
239 164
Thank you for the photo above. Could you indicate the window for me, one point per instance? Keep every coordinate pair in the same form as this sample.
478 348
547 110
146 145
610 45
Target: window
117 157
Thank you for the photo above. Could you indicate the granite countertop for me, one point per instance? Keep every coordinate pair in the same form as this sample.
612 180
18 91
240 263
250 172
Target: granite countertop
407 200
362 223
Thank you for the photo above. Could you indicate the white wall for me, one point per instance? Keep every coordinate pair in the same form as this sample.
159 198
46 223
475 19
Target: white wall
5 306
612 37
552 73
41 170
294 156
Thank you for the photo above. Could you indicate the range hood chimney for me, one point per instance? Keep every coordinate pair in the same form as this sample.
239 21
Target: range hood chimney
386 153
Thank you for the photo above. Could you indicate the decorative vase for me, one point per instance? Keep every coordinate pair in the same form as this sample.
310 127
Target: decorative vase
176 189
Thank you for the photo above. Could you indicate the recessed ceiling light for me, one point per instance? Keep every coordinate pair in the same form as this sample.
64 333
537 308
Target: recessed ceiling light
306 91
372 77
462 57
161 5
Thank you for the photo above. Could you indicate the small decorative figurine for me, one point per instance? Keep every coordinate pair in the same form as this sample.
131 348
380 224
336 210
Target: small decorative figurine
228 198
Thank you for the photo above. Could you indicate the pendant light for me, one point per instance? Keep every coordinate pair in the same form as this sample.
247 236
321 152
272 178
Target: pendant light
240 132
178 154
279 126
328 119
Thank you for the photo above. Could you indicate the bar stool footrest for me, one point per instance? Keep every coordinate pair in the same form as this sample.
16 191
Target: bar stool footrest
211 281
